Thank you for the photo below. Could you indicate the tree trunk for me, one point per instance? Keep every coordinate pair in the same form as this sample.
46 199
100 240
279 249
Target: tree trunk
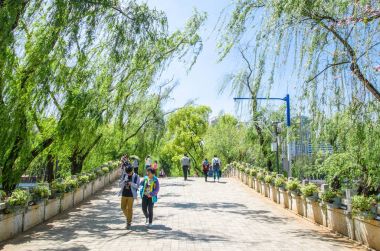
49 176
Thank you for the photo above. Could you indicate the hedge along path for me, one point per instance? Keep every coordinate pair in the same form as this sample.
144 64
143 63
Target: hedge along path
22 220
192 215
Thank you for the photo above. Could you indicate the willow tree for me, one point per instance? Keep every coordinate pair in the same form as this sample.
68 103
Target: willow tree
77 64
332 47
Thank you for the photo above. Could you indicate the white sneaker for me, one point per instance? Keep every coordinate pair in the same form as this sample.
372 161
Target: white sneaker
146 221
150 225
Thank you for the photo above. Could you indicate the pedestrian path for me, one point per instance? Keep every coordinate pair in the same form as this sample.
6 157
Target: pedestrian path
192 215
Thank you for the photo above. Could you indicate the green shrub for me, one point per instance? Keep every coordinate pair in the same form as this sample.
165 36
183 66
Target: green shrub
269 179
362 204
253 172
71 184
41 191
105 169
58 186
309 190
19 197
2 195
92 176
99 172
83 179
280 182
247 170
329 196
261 176
293 185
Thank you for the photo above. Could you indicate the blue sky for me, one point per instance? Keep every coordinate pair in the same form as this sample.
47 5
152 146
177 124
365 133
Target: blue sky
202 83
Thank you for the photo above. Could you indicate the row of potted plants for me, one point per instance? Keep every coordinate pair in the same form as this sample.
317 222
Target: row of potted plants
361 206
354 218
21 198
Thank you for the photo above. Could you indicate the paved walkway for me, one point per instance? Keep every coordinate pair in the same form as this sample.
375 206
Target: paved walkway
189 216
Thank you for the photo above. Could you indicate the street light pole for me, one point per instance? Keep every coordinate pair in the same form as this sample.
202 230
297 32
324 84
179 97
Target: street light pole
287 100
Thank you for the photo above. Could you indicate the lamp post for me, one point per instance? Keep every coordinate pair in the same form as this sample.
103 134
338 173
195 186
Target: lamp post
287 100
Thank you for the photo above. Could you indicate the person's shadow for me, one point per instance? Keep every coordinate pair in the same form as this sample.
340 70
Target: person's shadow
143 228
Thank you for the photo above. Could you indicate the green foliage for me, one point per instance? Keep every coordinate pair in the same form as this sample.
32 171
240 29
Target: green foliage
261 176
19 197
58 186
269 179
309 190
92 176
247 170
71 184
99 172
105 170
293 185
362 205
41 191
2 195
280 182
185 131
329 196
83 179
253 172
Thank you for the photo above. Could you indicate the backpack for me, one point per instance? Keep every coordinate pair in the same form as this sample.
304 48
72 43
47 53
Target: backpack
205 166
216 163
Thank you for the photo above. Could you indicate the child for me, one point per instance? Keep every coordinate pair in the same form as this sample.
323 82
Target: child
148 192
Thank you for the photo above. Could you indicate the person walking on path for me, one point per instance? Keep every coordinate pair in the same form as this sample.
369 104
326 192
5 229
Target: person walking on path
149 189
206 168
129 184
216 164
135 165
148 162
185 162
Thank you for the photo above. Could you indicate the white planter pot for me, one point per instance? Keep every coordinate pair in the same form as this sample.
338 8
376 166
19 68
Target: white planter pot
10 225
67 201
78 195
34 215
52 208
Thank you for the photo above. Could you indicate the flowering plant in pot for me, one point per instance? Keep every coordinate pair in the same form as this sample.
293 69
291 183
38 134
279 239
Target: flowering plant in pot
105 170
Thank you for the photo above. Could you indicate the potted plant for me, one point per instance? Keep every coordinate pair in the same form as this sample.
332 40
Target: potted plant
280 183
58 188
18 200
83 179
294 187
331 199
253 174
71 184
310 192
365 207
40 193
105 170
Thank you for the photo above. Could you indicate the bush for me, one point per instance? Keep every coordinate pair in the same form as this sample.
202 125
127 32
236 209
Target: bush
99 172
280 182
293 185
83 179
247 170
268 179
261 176
41 191
2 195
309 190
329 196
253 172
105 169
92 176
19 197
58 186
362 204
71 184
